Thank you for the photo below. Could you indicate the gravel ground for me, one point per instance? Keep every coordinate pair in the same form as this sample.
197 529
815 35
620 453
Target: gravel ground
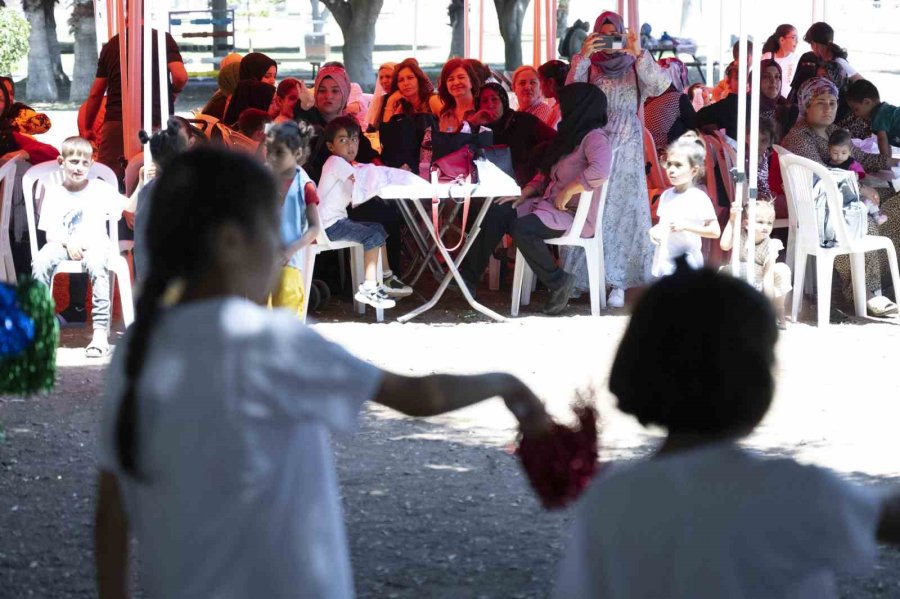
437 507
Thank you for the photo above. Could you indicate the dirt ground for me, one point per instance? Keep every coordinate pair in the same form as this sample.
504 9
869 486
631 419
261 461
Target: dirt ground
437 507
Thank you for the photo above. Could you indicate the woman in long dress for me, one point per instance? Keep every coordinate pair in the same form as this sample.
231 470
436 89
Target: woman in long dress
628 77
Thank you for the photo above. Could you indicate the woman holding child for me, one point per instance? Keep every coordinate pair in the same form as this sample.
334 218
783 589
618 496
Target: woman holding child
818 101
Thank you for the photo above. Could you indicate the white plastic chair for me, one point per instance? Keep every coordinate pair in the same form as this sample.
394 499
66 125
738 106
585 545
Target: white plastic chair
523 277
790 223
798 175
49 172
357 269
7 180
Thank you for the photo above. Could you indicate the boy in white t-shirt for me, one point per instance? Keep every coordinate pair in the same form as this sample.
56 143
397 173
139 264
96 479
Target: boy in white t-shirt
74 216
704 517
685 213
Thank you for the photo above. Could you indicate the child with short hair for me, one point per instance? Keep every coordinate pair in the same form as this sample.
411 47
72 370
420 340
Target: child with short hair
74 216
839 156
219 412
771 277
341 137
686 214
883 118
704 517
252 123
287 149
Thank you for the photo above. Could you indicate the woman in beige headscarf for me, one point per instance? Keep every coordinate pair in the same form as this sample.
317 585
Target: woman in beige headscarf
229 75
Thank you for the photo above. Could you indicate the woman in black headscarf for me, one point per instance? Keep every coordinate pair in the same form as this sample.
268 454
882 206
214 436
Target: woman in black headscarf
525 134
256 87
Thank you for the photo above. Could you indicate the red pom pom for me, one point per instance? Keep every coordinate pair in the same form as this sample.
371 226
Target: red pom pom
561 463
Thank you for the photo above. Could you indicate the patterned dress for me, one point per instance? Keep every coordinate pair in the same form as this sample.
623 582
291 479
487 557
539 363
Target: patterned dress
626 217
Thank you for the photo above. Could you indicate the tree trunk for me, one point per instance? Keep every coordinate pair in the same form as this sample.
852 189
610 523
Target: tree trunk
562 18
85 34
41 86
63 83
319 16
356 19
510 14
457 24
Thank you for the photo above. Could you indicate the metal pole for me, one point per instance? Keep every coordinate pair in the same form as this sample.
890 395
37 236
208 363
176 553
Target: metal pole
710 40
536 42
753 169
481 30
548 29
466 47
724 46
146 78
163 73
740 175
415 47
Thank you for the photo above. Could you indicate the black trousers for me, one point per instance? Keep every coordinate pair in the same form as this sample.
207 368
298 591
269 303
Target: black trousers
529 233
497 222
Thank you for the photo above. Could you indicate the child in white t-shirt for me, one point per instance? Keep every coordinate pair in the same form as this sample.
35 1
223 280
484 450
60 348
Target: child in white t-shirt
216 423
335 194
74 216
704 517
685 213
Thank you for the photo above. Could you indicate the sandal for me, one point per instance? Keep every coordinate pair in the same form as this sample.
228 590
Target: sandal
97 351
881 306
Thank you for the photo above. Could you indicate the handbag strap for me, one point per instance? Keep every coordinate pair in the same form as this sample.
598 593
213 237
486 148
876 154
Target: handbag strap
435 209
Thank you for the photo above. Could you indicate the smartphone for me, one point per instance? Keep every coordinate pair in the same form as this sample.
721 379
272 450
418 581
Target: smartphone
611 42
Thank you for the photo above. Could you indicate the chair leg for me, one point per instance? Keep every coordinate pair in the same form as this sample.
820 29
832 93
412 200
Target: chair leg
858 278
379 279
895 273
493 274
529 283
824 268
799 275
518 276
122 277
590 254
601 270
357 274
309 263
790 254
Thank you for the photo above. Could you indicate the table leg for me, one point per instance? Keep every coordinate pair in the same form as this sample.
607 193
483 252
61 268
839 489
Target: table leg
452 266
420 239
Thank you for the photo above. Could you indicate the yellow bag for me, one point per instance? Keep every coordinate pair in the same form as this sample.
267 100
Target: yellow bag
289 292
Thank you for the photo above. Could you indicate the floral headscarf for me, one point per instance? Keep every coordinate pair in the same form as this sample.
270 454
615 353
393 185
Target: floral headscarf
812 88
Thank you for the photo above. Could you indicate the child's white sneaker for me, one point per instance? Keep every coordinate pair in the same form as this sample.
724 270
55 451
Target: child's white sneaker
394 287
375 297
616 298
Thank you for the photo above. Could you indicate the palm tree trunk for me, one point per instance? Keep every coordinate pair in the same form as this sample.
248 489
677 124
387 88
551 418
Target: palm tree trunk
84 30
41 84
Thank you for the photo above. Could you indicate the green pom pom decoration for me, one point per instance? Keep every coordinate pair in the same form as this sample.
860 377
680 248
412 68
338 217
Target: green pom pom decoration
33 370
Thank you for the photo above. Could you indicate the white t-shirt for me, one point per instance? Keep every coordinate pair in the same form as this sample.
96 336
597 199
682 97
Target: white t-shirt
850 71
788 66
694 207
80 215
718 522
335 190
236 405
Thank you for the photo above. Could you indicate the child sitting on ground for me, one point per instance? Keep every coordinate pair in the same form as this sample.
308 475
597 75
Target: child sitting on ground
839 146
883 118
287 149
74 216
771 277
686 213
704 517
219 413
341 137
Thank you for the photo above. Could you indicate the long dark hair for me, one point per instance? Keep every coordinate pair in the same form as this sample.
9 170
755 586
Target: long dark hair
583 108
773 43
196 194
444 93
426 88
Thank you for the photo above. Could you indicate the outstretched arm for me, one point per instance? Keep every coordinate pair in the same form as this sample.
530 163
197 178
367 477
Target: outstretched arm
111 540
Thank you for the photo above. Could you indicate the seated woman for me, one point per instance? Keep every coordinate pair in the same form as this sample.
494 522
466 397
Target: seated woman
458 87
410 92
723 114
375 113
553 75
255 88
229 76
818 100
772 105
577 159
527 87
525 134
411 95
670 115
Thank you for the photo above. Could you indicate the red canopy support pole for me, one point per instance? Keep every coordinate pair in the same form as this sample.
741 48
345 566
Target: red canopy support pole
621 9
481 30
634 21
536 43
548 29
132 101
466 44
146 75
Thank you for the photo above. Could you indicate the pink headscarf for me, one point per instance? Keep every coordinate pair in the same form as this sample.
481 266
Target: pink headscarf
339 75
611 64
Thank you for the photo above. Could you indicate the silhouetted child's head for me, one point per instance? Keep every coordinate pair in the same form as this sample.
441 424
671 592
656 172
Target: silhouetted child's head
342 137
697 356
168 143
76 157
839 146
287 147
863 97
252 123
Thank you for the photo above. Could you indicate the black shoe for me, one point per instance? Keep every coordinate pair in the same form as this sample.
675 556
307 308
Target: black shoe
72 316
454 287
559 298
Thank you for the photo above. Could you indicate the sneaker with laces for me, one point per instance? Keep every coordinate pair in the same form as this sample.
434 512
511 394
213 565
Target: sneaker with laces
394 287
616 298
375 297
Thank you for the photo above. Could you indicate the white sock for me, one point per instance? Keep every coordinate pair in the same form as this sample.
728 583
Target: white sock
387 274
370 285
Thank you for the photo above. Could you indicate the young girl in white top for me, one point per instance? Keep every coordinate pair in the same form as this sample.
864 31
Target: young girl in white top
214 446
685 213
704 517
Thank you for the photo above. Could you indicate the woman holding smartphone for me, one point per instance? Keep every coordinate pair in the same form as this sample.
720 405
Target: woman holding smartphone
612 59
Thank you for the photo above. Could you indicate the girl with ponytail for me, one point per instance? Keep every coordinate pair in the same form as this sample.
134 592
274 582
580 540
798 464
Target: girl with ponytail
214 446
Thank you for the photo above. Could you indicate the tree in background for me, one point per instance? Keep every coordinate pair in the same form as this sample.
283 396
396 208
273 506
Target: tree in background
356 19
83 28
457 24
46 78
562 17
510 14
14 32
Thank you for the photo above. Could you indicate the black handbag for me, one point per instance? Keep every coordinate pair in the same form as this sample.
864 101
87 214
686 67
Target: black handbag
500 156
401 139
447 143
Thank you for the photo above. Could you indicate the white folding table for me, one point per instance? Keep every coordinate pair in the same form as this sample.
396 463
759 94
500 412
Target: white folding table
450 192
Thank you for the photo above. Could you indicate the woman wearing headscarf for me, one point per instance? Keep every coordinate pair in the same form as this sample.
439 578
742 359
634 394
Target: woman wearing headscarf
670 115
255 88
627 77
229 76
818 100
578 159
525 134
772 105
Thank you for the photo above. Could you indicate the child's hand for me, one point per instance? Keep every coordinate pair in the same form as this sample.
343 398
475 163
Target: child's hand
75 252
655 235
632 42
286 257
677 227
515 200
527 408
561 201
